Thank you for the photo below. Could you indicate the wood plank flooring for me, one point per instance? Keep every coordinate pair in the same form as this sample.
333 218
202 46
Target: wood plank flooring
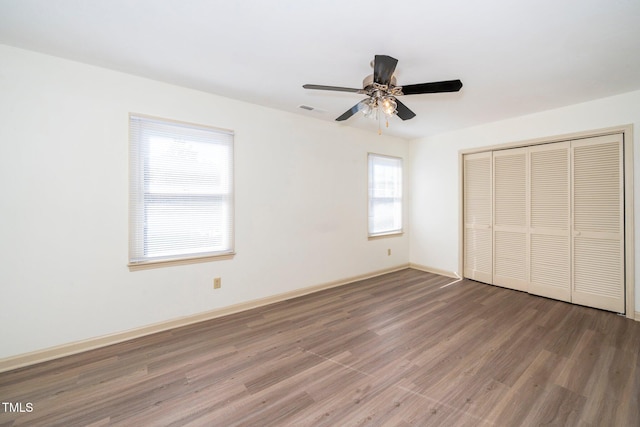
396 350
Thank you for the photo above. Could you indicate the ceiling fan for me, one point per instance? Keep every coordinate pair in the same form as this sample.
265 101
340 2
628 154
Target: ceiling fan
382 92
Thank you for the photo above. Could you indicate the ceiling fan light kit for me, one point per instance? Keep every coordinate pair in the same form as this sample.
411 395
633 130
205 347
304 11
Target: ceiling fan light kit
382 92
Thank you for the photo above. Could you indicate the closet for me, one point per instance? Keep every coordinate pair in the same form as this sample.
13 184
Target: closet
548 219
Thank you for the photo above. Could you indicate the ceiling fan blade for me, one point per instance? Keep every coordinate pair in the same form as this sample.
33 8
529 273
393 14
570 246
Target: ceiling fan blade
352 111
334 88
434 87
383 68
403 111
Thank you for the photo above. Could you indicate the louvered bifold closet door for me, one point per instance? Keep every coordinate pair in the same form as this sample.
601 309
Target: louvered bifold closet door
550 201
598 223
510 222
477 201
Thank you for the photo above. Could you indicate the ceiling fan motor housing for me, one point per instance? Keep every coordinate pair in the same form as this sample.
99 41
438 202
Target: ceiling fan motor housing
367 83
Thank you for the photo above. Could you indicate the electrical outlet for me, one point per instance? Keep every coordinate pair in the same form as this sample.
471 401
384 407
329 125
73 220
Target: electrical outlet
217 283
388 252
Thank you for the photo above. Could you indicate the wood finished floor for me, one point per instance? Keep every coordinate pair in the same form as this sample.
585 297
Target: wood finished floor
394 350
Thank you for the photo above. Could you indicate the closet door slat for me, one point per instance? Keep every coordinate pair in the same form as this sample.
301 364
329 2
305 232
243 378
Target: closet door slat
510 226
598 223
550 244
478 247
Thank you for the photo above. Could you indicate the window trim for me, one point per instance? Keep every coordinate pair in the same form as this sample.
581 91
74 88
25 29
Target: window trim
393 233
136 173
146 265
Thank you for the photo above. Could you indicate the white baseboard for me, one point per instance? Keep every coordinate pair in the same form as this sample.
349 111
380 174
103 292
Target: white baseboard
434 270
27 359
638 316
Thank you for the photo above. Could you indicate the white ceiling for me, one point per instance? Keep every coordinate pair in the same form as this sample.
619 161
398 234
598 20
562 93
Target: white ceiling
514 56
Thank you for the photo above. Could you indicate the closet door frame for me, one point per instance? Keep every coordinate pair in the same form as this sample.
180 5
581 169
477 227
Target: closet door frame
629 243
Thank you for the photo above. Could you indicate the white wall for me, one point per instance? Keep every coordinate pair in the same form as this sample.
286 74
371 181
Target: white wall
301 204
434 170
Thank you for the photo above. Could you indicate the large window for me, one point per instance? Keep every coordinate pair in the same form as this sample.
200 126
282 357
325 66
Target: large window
181 191
385 195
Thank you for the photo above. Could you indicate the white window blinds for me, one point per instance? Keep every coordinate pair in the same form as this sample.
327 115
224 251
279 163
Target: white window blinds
181 190
385 195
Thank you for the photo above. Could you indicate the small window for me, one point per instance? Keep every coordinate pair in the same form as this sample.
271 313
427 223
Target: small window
181 191
385 195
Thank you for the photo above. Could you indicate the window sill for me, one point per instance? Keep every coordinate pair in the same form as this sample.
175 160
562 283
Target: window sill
385 235
145 265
